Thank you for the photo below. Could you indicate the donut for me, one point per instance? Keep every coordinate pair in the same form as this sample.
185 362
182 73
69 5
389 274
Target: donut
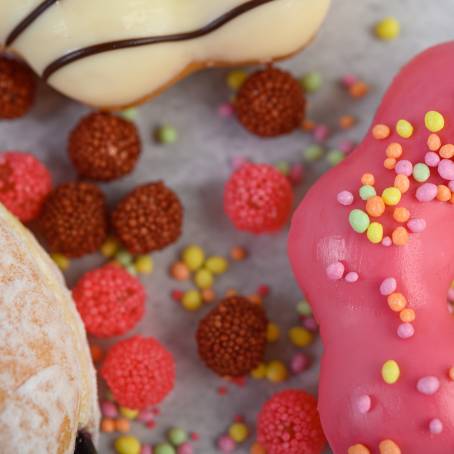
48 397
371 247
117 53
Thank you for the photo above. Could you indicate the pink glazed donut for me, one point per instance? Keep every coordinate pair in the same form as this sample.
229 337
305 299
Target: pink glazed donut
372 248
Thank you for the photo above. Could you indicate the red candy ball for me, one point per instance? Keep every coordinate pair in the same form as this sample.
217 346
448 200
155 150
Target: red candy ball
139 371
258 198
24 184
289 423
110 300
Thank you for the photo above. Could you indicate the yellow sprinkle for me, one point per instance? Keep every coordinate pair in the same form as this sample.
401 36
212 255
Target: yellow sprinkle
61 261
128 413
391 196
192 300
193 256
434 121
259 372
235 79
127 444
272 332
238 431
390 372
301 337
217 264
276 371
203 278
387 29
404 128
110 247
375 232
144 264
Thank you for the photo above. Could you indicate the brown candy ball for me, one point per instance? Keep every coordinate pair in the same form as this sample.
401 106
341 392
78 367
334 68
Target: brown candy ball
74 219
232 337
104 147
17 88
149 218
270 103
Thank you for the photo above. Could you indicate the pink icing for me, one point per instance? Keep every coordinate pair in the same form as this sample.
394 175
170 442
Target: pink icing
358 328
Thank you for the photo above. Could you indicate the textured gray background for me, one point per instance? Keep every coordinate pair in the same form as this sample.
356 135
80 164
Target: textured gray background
197 166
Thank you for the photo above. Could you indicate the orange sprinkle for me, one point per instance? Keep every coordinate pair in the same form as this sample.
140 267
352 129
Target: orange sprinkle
388 447
443 193
107 425
375 206
380 131
407 315
400 236
238 253
401 214
394 150
358 449
434 142
389 163
397 301
96 353
122 425
256 299
347 121
308 125
402 182
208 295
447 151
368 178
358 89
451 373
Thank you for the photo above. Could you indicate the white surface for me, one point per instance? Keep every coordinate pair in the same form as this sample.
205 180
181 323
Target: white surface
197 166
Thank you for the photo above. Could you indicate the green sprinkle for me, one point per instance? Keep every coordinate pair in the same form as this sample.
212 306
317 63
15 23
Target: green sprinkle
123 257
177 436
283 167
367 191
166 134
313 152
131 269
359 220
163 448
311 82
421 172
304 308
334 157
129 114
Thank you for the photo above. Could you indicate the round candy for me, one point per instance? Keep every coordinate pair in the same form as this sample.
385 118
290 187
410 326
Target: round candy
24 183
258 198
110 300
139 371
387 29
289 423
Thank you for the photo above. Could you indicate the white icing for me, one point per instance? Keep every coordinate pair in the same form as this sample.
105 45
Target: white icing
47 382
121 77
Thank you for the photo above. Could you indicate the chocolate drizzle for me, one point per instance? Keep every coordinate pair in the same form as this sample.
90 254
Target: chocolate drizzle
28 20
95 49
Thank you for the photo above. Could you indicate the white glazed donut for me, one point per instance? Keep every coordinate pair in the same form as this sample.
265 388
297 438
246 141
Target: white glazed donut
47 381
116 53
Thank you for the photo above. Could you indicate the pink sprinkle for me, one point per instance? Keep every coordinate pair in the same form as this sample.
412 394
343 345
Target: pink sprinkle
296 173
109 409
185 448
310 323
335 271
404 167
386 241
345 198
451 294
225 110
263 290
348 80
436 426
431 159
321 133
145 416
388 286
347 146
226 444
299 363
351 277
426 192
446 169
146 449
428 385
416 225
405 330
195 436
363 404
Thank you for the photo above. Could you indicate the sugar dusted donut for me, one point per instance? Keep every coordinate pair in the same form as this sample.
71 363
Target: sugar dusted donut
111 53
372 247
